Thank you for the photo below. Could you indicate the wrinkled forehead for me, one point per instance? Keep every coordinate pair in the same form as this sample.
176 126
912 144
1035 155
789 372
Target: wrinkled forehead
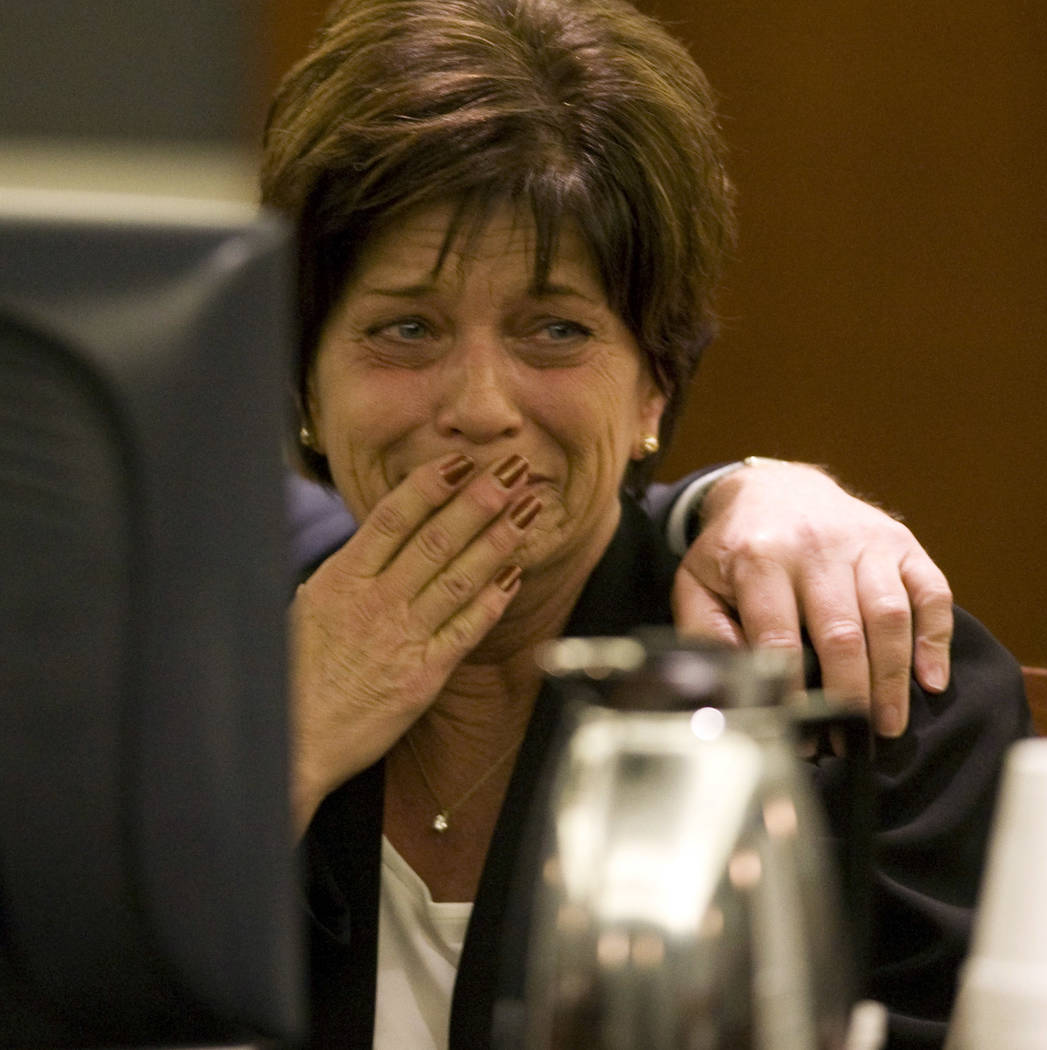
446 238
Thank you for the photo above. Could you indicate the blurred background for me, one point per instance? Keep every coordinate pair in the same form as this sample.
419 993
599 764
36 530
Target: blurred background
886 314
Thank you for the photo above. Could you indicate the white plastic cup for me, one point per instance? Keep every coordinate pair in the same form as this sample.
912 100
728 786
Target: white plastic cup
1002 1001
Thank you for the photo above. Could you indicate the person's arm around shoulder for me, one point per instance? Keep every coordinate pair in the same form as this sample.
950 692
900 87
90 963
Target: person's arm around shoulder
782 548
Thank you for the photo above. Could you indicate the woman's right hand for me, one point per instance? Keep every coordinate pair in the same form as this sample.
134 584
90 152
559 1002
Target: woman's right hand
377 630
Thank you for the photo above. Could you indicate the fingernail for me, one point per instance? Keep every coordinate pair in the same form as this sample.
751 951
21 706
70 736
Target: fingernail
524 512
506 578
456 468
510 470
889 721
936 680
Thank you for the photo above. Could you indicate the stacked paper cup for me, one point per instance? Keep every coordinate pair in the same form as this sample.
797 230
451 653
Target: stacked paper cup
1002 1003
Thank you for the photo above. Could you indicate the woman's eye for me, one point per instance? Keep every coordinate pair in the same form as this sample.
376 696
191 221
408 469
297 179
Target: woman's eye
409 330
554 342
404 341
561 331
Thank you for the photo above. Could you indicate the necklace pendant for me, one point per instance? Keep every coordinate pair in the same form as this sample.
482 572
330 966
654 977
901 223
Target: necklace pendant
440 822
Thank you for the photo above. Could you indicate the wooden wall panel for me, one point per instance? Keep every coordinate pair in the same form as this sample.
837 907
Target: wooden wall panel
886 313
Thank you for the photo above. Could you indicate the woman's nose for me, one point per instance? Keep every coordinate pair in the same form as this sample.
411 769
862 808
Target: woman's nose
477 400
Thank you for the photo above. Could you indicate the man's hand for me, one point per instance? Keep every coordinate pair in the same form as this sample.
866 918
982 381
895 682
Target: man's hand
782 546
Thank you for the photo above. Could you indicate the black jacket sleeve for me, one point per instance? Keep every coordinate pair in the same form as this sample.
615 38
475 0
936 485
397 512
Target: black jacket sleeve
935 790
659 499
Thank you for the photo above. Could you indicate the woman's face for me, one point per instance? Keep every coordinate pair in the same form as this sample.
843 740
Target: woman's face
415 363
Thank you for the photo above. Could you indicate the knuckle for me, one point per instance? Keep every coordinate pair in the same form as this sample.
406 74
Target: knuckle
388 520
778 638
898 530
844 638
935 595
457 585
716 627
759 548
503 540
767 551
459 633
890 612
462 632
435 544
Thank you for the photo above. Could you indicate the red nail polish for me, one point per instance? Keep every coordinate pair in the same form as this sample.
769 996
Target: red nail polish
525 511
510 470
506 577
456 469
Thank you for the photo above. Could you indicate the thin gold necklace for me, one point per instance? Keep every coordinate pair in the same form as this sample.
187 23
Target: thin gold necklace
442 821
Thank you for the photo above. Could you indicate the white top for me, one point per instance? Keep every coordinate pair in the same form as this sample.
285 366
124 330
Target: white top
419 945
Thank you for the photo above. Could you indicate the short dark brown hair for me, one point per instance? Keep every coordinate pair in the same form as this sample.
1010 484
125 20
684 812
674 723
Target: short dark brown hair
581 111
